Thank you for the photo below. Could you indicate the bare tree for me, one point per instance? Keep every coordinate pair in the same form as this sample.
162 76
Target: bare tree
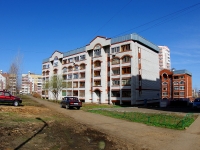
13 82
55 85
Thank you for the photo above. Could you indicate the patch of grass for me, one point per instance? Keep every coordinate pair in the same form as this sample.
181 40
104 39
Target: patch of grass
86 107
159 120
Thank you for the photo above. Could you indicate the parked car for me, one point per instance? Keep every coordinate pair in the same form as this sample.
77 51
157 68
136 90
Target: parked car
6 97
70 102
196 103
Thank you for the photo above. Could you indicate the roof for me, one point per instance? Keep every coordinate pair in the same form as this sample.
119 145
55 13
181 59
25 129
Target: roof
132 36
137 38
183 71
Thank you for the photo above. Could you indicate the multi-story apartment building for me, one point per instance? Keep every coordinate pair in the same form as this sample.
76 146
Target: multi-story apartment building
25 84
8 82
2 81
31 83
164 58
176 84
118 70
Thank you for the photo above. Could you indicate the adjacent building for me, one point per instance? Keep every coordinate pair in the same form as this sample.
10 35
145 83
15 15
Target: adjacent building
176 84
121 70
2 81
164 58
31 83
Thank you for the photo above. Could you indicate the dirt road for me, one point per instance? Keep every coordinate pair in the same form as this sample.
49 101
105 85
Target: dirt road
138 136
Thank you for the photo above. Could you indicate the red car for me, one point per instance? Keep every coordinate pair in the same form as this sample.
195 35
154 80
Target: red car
6 97
69 102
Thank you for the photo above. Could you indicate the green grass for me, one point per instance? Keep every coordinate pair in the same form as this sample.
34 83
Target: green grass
87 107
158 120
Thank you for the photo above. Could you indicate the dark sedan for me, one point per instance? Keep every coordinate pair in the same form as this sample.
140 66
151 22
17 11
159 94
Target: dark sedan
70 102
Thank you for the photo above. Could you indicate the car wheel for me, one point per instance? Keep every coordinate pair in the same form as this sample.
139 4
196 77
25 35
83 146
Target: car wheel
16 103
78 107
61 106
67 107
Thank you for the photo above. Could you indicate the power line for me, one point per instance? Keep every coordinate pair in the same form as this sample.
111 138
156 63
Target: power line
171 14
111 18
164 21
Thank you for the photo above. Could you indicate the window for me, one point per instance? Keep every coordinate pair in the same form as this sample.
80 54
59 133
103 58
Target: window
76 67
64 70
64 84
64 93
126 70
116 71
97 52
115 61
75 76
139 50
82 57
70 60
164 93
181 82
55 71
75 84
175 77
175 83
76 58
182 93
64 61
82 66
116 82
97 83
115 93
126 93
182 88
176 88
164 89
82 84
64 77
97 64
82 93
115 49
126 59
97 73
69 84
125 47
70 68
55 64
69 76
176 93
69 93
82 75
126 82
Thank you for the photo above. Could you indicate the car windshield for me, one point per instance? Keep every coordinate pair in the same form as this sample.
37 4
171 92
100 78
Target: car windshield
75 99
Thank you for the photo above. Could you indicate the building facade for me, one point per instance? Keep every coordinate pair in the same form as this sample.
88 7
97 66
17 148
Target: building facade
2 81
176 85
31 83
164 58
121 70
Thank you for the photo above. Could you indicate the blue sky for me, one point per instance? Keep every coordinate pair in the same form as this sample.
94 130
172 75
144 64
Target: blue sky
36 28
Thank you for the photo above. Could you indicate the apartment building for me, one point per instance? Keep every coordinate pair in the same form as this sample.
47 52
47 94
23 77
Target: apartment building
31 83
164 58
2 81
121 70
176 84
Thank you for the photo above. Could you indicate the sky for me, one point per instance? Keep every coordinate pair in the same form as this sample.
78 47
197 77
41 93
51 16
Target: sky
34 29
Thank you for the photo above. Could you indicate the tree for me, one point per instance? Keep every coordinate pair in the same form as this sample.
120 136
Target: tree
55 85
13 81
